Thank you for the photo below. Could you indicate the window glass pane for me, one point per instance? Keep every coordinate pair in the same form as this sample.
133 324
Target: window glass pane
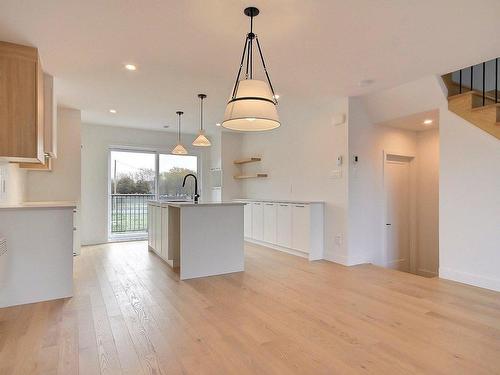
132 185
172 170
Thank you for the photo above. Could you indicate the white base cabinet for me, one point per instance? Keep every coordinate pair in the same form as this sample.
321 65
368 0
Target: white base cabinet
294 227
257 221
284 225
269 222
161 240
247 215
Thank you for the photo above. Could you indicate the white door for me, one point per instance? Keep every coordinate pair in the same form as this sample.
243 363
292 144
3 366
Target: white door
301 223
284 225
247 219
257 221
270 222
397 185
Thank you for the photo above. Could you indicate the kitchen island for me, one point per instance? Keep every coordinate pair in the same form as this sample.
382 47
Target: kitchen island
198 239
37 261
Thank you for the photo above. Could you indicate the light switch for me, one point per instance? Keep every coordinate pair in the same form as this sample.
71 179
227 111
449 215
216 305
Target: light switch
336 174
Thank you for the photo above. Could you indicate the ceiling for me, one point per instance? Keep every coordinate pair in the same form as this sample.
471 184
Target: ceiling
313 49
415 122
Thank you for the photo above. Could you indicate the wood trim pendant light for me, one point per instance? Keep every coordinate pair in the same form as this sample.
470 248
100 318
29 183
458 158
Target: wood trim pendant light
179 148
201 140
252 105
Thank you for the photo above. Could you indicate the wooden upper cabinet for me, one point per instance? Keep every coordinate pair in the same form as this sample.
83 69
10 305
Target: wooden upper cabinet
21 104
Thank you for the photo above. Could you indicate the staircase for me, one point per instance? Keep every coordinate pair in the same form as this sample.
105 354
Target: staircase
473 94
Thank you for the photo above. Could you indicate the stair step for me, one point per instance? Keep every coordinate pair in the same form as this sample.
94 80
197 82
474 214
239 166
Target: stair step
485 107
473 93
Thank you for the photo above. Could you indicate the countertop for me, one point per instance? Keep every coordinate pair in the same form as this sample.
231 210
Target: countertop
277 201
192 204
53 204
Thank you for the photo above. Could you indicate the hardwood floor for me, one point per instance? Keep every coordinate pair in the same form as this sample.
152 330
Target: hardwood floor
283 315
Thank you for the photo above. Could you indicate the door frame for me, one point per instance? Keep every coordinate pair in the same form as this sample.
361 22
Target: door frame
412 204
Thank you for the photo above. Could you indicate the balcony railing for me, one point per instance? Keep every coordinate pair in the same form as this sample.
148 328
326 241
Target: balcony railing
129 212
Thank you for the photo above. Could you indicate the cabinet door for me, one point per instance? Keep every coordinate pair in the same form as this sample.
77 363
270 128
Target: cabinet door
284 225
158 229
257 221
21 104
150 225
301 227
247 220
270 222
164 232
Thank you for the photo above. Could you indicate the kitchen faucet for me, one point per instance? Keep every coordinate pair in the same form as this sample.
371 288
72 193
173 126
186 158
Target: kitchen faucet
196 195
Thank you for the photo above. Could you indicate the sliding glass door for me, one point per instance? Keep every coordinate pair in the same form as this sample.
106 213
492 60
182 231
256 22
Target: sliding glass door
139 176
132 184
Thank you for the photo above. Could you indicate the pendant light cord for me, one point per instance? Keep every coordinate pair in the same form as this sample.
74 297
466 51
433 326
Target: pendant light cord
179 128
201 115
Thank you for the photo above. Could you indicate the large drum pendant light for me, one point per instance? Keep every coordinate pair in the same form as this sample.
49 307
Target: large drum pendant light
252 105
201 140
179 148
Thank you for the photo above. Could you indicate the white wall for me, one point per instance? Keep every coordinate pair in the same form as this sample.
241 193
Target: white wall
96 142
299 158
231 149
428 202
366 181
469 190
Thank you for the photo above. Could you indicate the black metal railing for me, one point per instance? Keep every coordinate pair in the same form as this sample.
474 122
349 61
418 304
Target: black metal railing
129 212
482 78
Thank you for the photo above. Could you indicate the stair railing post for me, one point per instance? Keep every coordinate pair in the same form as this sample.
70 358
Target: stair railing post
484 81
496 80
471 78
460 80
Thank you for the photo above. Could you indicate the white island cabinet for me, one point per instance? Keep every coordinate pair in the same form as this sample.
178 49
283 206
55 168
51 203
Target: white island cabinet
295 227
202 239
38 262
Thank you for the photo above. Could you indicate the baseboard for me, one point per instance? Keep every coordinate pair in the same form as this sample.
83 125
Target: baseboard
279 248
470 279
345 260
337 258
426 273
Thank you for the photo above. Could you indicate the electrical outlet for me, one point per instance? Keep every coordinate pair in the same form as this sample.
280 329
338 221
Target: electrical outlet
339 239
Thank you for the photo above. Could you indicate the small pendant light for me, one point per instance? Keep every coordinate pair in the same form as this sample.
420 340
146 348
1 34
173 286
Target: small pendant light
252 105
201 140
179 148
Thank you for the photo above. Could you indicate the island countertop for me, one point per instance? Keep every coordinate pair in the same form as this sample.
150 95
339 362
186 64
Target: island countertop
192 204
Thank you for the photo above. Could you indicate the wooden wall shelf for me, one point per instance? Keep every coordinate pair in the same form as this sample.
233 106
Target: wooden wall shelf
243 176
247 160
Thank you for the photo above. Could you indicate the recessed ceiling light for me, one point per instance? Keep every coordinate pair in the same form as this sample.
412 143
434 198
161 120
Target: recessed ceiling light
112 111
131 67
427 122
365 82
218 124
